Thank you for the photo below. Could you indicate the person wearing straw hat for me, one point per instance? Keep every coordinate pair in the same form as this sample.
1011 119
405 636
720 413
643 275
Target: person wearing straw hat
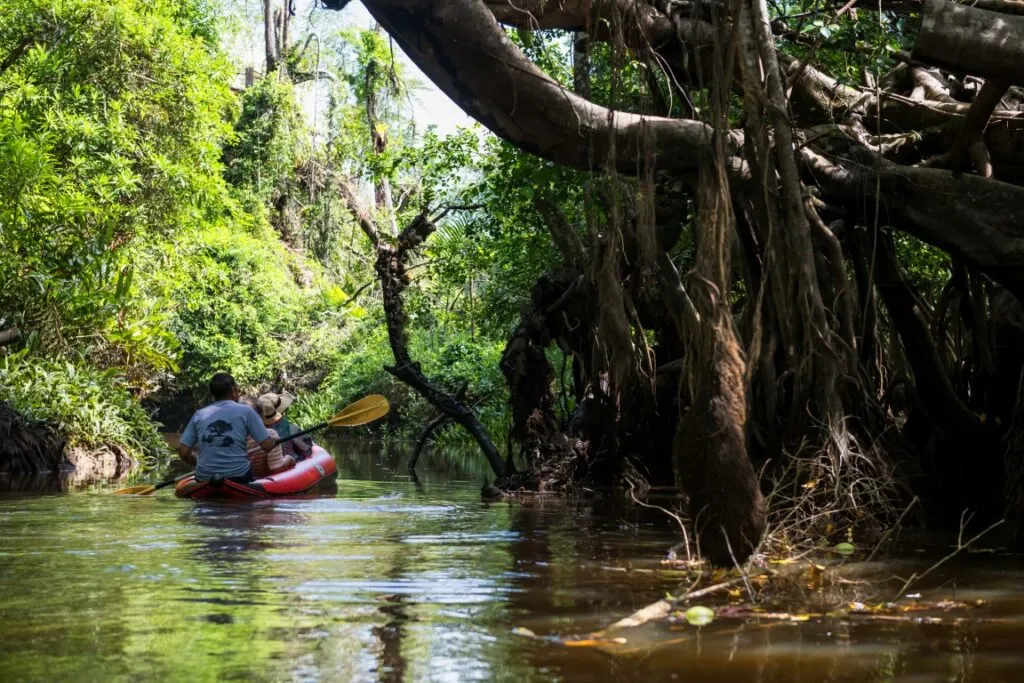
265 463
271 408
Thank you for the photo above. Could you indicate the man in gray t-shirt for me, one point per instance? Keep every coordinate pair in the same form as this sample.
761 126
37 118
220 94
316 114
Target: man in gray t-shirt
220 430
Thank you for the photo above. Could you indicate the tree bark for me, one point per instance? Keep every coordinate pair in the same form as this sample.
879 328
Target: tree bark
269 36
460 46
967 39
390 266
965 215
391 271
936 392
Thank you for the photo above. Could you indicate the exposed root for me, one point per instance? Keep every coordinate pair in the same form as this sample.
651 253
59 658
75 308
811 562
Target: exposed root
839 491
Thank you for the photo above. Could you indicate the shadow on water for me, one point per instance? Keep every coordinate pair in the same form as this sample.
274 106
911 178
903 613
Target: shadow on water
389 579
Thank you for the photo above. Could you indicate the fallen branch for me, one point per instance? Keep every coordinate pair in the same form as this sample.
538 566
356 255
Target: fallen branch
970 138
959 547
662 608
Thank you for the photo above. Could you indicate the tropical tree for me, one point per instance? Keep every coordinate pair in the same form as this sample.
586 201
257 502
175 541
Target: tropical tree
743 122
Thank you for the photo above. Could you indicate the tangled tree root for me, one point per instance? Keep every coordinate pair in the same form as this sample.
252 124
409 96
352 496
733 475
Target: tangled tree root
838 491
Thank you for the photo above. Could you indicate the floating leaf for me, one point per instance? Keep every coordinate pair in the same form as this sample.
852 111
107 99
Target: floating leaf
844 548
699 615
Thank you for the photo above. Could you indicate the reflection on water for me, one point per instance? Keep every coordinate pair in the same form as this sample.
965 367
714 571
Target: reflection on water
392 580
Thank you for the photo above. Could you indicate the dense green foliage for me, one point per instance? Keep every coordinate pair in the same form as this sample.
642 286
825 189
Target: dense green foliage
89 405
109 123
129 262
157 227
261 155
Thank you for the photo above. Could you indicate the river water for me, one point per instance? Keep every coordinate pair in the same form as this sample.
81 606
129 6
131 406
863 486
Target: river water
393 580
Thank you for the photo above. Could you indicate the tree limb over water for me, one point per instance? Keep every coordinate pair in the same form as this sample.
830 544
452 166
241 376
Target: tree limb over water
813 174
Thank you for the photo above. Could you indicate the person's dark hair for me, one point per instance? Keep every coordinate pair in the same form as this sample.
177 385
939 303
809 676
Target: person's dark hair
221 386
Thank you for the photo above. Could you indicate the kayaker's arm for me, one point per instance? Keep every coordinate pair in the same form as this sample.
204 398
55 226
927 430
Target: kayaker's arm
185 453
268 444
187 441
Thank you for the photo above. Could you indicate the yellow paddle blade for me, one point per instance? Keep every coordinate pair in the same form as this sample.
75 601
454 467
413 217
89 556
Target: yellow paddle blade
366 409
136 490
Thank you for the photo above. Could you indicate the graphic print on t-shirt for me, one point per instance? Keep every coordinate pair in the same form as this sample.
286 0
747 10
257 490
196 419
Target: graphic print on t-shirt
218 433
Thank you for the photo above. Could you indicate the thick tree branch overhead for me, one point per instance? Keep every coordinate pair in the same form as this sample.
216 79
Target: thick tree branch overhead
970 39
461 47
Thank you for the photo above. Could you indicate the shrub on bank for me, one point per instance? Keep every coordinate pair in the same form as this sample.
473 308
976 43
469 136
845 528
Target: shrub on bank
91 407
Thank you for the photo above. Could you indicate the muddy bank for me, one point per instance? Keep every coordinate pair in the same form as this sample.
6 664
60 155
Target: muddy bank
29 446
34 456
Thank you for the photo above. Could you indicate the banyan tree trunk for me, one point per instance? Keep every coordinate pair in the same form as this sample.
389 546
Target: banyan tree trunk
712 464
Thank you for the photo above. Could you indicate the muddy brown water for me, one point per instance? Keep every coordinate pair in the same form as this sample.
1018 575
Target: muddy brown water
393 580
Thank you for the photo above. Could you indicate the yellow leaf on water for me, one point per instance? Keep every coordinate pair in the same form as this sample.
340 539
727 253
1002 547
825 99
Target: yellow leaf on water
735 592
590 642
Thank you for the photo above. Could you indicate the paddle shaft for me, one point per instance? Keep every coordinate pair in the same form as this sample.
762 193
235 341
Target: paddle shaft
172 481
303 432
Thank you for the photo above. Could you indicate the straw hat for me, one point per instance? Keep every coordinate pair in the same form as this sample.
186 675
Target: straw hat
270 406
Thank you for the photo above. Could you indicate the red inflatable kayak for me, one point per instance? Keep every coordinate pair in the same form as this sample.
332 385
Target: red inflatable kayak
299 479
